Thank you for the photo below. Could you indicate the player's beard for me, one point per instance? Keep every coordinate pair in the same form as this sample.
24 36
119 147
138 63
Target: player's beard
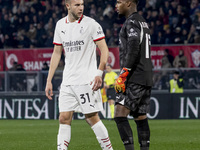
76 17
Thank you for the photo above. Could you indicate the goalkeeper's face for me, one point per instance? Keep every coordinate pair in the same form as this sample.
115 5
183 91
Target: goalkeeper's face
76 7
121 6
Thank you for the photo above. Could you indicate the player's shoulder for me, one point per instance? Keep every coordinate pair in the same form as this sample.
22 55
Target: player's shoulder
135 19
62 20
87 19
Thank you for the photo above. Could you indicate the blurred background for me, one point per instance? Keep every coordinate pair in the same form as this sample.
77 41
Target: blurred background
26 37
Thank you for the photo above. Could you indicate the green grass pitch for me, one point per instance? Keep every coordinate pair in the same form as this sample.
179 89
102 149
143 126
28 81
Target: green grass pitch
42 135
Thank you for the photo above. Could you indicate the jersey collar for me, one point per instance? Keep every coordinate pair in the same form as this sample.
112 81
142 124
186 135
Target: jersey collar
77 21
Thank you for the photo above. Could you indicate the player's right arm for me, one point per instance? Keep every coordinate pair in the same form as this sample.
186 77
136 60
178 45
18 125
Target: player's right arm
133 51
55 59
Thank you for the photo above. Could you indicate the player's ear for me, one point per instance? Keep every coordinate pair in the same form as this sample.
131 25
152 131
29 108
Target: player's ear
67 5
128 2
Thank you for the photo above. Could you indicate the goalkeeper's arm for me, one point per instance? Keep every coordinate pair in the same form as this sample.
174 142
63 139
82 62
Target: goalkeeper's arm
131 57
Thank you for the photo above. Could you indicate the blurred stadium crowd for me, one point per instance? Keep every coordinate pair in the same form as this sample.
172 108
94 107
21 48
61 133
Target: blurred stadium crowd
30 23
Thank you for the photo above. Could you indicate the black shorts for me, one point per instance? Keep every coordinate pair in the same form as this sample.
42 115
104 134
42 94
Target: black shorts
111 94
136 98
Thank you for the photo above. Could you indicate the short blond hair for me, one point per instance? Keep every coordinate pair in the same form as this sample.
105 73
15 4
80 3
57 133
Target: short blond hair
67 1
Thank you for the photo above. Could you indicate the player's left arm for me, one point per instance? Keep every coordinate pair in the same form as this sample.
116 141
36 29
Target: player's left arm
133 32
103 60
104 53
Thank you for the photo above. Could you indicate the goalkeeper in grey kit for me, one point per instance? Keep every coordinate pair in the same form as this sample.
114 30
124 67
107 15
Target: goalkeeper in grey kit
133 85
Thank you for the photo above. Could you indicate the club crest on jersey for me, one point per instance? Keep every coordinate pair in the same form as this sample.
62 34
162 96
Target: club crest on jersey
99 31
132 33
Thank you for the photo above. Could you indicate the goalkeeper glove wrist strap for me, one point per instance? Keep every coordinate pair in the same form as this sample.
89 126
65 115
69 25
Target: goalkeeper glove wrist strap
124 72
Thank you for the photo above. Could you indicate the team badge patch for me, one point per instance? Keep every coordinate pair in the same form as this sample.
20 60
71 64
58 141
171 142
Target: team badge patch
99 31
196 57
132 33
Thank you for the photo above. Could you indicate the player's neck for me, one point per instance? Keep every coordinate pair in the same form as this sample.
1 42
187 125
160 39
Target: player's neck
72 18
130 12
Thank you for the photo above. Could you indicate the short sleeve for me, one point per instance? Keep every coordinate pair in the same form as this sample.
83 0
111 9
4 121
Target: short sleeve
97 32
57 40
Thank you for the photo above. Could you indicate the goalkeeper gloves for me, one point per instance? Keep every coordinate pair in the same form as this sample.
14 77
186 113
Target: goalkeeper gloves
120 82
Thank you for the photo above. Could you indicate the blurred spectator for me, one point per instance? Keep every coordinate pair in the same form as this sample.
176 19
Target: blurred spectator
1 39
93 10
167 60
184 36
180 60
45 66
99 12
14 66
26 23
37 5
15 7
168 36
103 23
161 78
45 69
2 82
23 40
7 41
41 35
177 35
152 3
18 78
176 84
109 9
191 35
57 79
192 79
160 38
5 24
35 21
49 39
170 21
166 7
12 76
31 34
109 38
49 27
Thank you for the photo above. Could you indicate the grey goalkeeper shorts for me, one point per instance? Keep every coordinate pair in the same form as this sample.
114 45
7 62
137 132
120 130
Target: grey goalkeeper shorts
136 98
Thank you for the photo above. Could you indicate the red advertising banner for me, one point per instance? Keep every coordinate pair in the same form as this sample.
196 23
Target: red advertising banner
192 52
113 58
31 59
1 61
